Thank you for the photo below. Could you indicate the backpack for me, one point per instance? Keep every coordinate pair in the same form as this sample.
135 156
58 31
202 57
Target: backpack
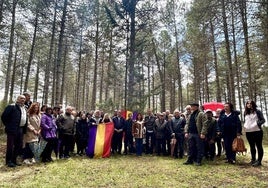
238 145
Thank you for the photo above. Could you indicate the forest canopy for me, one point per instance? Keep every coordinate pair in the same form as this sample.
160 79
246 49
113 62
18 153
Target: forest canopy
134 54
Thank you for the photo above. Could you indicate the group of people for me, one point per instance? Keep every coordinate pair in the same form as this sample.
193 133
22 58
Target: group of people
34 132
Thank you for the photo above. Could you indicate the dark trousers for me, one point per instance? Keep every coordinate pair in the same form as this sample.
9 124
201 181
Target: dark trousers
219 146
255 140
128 143
14 146
150 141
179 146
196 148
117 142
81 145
161 146
230 154
27 154
66 145
209 150
51 145
139 145
167 144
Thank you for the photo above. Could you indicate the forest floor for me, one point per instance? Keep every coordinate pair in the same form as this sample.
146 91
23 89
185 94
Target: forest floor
132 171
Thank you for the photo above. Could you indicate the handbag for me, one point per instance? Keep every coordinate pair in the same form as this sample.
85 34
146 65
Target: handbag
238 145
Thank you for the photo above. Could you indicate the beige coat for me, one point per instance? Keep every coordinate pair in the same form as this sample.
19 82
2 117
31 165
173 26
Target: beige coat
33 129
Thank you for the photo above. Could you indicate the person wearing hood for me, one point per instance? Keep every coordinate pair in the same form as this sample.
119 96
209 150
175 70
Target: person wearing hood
231 127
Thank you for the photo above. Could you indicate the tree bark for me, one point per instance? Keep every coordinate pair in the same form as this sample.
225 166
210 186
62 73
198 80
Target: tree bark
49 60
32 51
132 56
10 51
231 90
14 72
243 12
215 57
95 73
59 56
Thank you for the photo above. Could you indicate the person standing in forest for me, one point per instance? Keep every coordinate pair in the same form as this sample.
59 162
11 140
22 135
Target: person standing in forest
211 135
66 123
128 141
219 139
177 131
119 124
31 137
253 121
138 131
82 133
28 101
49 134
14 119
149 121
195 130
230 125
159 129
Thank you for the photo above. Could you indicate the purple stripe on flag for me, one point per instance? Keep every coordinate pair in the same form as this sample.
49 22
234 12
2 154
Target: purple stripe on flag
91 140
134 115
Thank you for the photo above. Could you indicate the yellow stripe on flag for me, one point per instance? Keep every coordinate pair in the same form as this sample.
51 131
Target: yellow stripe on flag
98 151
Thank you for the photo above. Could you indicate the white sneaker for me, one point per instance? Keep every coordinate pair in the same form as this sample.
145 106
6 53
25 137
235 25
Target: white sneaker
26 161
33 160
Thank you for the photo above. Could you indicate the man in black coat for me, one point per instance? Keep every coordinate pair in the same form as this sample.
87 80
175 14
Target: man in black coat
14 118
119 124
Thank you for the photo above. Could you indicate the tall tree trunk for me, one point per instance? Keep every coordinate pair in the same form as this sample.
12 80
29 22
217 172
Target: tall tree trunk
132 56
59 56
229 56
36 83
64 73
1 12
215 57
102 75
109 69
49 60
237 73
206 83
14 73
153 88
84 83
32 51
95 73
243 12
79 75
161 75
149 81
10 51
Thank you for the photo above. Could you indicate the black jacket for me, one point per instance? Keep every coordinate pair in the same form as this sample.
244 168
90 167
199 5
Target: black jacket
11 119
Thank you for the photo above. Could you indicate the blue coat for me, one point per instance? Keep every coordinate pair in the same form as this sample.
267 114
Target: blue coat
230 125
119 124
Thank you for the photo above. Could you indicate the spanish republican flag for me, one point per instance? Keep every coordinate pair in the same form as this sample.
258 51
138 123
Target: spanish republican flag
100 138
125 113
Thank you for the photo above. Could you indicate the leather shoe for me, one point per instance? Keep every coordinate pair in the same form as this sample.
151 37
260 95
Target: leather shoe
11 165
257 163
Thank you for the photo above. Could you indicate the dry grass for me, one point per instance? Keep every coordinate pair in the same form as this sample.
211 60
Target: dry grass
131 171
